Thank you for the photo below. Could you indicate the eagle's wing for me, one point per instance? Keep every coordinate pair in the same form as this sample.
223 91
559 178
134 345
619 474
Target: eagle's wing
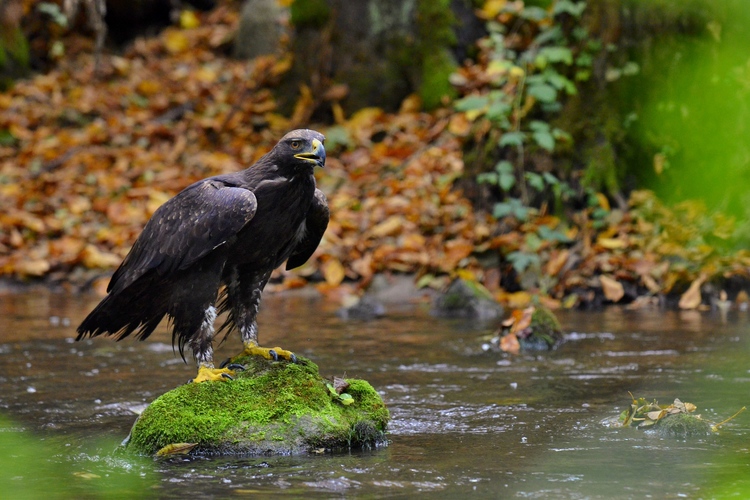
187 227
311 233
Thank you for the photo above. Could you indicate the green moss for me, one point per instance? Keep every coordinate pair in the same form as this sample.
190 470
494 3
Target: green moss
544 319
546 332
435 22
14 56
435 87
275 407
682 425
309 13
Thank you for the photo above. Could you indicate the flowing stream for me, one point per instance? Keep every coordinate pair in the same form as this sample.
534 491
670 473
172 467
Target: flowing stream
464 421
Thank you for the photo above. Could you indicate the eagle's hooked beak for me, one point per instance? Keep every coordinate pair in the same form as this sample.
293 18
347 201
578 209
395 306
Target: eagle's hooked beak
316 156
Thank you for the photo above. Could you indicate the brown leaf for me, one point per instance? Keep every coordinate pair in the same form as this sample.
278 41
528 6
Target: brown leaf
691 299
388 227
32 267
657 414
455 252
556 262
509 343
340 384
522 319
459 125
93 258
333 271
612 288
650 283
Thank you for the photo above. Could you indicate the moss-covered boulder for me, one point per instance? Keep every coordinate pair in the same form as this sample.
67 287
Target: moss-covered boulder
271 408
544 332
683 426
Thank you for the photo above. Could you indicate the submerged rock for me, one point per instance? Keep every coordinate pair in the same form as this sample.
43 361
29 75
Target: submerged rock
535 328
365 308
272 408
683 426
466 299
544 333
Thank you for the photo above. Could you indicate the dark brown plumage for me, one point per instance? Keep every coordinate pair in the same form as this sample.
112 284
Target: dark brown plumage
231 230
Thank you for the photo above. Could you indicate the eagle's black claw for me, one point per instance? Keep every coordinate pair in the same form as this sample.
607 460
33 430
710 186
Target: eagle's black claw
225 363
234 366
293 358
273 354
226 375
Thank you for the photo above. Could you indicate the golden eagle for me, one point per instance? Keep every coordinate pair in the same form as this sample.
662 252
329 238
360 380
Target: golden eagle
230 230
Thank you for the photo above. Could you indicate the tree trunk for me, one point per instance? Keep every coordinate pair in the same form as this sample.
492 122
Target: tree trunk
377 51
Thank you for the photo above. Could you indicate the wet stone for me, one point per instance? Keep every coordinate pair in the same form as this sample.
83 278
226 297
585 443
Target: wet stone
272 408
544 333
465 299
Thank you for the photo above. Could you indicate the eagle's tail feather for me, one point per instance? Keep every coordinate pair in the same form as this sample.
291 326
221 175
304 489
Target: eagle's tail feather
123 313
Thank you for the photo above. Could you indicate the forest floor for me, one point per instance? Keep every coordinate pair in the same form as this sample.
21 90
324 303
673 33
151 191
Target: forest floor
85 160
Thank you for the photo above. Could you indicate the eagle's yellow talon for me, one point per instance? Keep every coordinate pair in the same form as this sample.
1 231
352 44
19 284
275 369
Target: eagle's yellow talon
271 353
206 374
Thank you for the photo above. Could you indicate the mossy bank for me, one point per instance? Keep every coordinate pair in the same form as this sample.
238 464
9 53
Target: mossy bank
272 408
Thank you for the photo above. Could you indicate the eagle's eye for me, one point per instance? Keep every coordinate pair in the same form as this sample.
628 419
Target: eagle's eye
295 144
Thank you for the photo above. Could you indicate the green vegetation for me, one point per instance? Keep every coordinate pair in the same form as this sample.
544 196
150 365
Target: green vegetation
531 62
696 110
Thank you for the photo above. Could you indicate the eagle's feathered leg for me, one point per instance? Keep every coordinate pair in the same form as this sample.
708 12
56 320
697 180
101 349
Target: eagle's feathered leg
243 301
203 351
193 311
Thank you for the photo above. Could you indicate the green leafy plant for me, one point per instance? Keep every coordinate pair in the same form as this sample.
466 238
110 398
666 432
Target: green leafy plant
532 64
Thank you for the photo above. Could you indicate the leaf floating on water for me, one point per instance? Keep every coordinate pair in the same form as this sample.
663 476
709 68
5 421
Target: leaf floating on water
176 449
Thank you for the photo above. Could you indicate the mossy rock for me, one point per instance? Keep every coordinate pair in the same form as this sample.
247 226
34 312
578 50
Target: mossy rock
272 408
682 425
545 332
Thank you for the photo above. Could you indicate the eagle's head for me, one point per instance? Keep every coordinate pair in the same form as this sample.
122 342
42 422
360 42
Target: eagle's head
301 148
